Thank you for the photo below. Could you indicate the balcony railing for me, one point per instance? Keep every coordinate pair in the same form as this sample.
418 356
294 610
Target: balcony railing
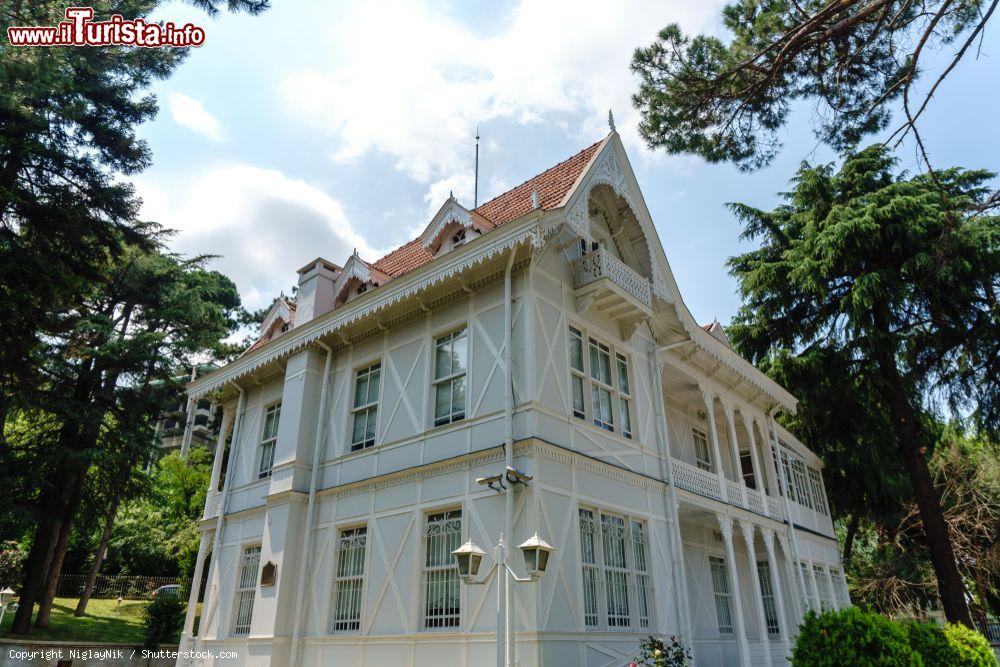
706 483
602 264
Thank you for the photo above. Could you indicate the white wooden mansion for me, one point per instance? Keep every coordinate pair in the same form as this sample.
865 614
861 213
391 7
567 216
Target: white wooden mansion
544 326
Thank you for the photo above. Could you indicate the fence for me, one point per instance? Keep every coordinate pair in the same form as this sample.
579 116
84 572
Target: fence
124 586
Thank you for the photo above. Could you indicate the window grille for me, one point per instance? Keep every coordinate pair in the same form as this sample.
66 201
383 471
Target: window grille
442 599
365 411
246 588
268 440
643 587
350 579
723 598
767 596
450 361
615 570
588 559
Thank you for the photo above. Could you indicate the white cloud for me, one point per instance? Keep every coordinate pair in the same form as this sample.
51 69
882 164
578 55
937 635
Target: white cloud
263 224
413 83
192 114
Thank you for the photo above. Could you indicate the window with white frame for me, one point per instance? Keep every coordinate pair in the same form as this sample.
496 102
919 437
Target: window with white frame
451 353
746 468
723 596
702 454
365 410
823 588
348 584
268 440
810 592
614 551
576 372
767 597
602 372
801 483
816 481
624 394
442 598
840 587
246 589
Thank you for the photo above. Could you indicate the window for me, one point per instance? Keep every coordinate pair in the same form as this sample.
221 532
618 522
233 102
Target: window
350 579
723 598
365 412
840 588
783 489
442 602
620 557
246 588
702 454
801 483
810 592
606 373
576 374
600 388
786 466
823 588
450 359
746 467
767 596
816 482
624 393
458 238
268 440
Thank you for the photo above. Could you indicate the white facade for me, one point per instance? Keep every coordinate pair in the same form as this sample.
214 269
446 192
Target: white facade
330 536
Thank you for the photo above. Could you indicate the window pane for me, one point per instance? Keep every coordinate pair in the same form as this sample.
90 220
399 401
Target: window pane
575 349
442 356
360 426
458 396
623 385
361 391
578 407
246 589
701 452
442 599
626 418
720 586
442 400
373 383
767 595
459 352
349 582
588 558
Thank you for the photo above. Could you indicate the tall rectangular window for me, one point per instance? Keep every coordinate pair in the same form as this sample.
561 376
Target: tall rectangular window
624 395
840 587
451 353
268 440
365 411
246 589
600 386
786 466
576 373
816 481
614 556
350 579
823 588
767 596
442 599
702 454
746 468
801 483
723 597
810 593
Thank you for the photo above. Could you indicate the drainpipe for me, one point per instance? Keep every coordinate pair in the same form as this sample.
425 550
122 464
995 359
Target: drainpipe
313 481
670 498
234 451
508 451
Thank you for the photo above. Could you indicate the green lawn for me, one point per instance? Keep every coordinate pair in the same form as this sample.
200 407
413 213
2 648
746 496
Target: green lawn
105 621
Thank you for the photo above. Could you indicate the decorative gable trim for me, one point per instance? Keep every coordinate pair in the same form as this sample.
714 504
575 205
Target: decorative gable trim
452 213
360 269
280 310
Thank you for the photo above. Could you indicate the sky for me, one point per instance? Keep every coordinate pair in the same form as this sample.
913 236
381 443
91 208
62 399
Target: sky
318 128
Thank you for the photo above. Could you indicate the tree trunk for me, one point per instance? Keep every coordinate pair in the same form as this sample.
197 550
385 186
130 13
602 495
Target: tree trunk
951 588
102 549
42 545
852 531
48 593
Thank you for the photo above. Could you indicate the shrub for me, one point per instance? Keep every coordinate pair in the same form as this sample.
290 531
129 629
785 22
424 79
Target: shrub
655 652
950 646
164 621
852 637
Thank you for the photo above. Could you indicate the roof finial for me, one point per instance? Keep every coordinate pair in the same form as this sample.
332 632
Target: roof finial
611 121
451 194
475 190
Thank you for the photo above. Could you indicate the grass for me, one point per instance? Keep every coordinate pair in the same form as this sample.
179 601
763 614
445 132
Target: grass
105 621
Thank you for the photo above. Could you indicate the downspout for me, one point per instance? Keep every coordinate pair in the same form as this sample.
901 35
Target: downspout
313 481
670 498
508 451
234 451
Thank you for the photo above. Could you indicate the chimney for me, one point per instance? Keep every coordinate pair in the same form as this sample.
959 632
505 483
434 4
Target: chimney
315 295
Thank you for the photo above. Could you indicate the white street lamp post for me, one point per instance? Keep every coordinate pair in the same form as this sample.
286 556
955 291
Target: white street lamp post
6 595
469 558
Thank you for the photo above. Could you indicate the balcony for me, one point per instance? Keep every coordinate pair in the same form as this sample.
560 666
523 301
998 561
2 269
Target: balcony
704 483
603 282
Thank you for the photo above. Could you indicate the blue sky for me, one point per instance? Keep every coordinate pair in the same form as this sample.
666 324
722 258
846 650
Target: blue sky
320 127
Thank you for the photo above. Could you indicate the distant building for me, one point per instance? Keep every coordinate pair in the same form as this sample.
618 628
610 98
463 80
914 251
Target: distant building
170 430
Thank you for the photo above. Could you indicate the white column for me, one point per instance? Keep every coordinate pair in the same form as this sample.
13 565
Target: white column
734 446
211 499
779 598
726 524
714 435
834 602
199 567
795 576
747 529
758 472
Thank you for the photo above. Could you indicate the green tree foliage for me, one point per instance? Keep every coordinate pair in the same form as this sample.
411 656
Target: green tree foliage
852 637
855 59
164 621
893 278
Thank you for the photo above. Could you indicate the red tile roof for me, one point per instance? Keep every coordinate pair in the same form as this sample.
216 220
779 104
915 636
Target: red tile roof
551 186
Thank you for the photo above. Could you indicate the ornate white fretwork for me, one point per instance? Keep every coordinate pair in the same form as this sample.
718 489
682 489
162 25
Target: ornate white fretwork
602 264
450 212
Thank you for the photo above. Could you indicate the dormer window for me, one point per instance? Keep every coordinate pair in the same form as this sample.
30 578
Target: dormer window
362 288
458 239
452 227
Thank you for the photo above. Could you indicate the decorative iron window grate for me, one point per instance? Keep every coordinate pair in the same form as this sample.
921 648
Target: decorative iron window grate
723 597
350 580
442 594
246 589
